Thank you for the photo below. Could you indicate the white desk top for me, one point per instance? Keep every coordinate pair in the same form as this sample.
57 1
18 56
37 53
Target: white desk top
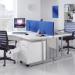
35 37
30 37
62 35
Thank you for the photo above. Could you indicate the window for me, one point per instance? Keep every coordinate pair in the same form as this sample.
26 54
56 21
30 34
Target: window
9 4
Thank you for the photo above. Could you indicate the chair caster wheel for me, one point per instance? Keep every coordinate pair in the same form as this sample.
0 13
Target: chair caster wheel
27 65
4 65
14 62
21 62
67 52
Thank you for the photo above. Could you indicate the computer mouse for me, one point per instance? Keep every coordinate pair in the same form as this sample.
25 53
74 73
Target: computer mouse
42 35
26 34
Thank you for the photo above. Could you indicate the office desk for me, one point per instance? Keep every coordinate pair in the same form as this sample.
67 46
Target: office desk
33 48
30 37
56 48
61 35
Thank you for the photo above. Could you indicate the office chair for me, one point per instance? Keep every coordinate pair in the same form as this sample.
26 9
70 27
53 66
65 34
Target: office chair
67 39
4 45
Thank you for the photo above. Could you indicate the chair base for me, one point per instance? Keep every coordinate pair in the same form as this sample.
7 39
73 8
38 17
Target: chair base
6 58
67 47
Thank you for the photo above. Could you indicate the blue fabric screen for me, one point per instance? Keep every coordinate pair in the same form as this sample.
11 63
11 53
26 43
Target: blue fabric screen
32 25
46 27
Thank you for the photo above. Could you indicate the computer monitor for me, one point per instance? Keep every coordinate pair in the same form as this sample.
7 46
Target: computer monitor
46 27
69 27
19 22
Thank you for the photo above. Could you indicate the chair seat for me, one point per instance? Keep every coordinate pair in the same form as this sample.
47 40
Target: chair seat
9 47
2 48
66 38
12 46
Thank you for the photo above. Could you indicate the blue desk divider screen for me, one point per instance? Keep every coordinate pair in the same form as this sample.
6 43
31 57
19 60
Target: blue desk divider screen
46 27
32 25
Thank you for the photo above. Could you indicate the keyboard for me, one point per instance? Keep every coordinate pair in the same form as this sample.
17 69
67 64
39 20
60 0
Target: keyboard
21 33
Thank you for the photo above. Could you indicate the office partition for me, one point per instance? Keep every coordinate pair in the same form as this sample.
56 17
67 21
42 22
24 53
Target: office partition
46 27
32 25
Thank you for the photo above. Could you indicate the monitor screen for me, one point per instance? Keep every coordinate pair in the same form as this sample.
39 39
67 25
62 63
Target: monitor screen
19 22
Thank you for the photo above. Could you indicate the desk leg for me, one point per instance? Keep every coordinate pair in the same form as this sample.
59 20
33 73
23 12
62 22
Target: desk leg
56 47
44 50
61 45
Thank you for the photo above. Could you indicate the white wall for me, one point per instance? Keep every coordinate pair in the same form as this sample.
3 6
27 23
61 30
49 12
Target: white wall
47 9
29 9
15 8
68 1
47 12
37 9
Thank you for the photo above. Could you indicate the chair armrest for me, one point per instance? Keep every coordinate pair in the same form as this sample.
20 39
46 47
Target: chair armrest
15 41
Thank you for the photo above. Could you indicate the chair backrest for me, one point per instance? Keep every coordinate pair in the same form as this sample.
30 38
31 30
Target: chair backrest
73 34
3 38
